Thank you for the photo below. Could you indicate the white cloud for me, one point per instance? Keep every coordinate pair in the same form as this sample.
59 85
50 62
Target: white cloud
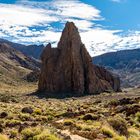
82 24
15 19
20 15
107 41
44 36
99 41
31 22
118 1
76 9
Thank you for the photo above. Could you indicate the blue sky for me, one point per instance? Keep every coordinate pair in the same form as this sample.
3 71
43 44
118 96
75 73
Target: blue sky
120 14
104 25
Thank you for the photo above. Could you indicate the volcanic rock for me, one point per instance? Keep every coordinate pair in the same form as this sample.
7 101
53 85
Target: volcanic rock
3 114
69 68
27 110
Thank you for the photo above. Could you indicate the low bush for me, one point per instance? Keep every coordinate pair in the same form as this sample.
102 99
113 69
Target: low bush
68 122
138 116
119 125
29 133
38 111
108 132
3 137
45 136
120 138
13 133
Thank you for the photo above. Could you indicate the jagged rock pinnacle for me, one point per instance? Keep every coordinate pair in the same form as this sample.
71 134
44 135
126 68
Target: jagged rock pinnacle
69 68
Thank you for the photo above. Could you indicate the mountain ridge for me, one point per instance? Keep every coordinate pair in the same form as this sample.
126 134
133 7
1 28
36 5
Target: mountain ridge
125 63
33 51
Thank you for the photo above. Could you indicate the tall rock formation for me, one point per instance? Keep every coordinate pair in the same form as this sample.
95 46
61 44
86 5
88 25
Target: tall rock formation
69 68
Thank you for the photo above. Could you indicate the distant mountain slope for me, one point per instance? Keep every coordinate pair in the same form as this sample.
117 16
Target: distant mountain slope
124 63
14 64
31 50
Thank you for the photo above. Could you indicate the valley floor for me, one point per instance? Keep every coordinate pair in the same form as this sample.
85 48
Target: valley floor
108 116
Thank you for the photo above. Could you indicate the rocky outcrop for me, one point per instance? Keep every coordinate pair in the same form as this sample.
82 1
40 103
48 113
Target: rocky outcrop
69 68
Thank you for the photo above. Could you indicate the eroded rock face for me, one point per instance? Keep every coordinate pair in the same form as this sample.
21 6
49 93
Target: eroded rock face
69 68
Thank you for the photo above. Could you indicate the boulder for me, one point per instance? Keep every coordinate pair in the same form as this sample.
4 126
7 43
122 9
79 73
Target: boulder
28 110
69 68
3 115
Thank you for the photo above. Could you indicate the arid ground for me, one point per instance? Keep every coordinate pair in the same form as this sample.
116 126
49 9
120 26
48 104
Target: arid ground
25 115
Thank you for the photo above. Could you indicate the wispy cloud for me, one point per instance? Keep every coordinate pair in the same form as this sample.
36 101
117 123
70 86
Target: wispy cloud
106 41
34 22
118 1
24 16
17 19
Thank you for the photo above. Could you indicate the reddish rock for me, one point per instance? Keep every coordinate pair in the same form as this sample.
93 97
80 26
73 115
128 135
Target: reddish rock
69 68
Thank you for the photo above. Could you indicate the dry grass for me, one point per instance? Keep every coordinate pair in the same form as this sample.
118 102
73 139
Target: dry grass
56 115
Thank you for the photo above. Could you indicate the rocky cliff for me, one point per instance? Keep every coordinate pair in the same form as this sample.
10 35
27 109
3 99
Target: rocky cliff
69 68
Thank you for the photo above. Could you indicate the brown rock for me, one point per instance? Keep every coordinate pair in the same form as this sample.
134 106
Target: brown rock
3 114
28 110
69 68
90 117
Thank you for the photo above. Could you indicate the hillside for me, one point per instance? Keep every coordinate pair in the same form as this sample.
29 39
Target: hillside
29 50
125 63
14 65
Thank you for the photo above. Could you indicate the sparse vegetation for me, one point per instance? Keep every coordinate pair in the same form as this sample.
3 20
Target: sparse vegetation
3 137
29 133
38 134
119 124
46 119
68 122
138 116
108 132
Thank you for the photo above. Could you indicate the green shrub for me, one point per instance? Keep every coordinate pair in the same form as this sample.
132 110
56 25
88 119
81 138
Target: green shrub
5 98
113 102
38 111
3 137
50 117
138 116
37 134
13 133
133 132
24 117
45 136
120 138
108 132
68 122
119 125
12 123
29 133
